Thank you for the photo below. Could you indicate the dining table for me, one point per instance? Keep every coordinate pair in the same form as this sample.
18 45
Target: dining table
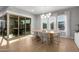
49 35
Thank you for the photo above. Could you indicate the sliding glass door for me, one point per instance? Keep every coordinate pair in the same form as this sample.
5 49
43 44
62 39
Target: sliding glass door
19 26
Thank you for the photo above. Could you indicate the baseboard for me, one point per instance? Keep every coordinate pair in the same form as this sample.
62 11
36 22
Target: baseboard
66 37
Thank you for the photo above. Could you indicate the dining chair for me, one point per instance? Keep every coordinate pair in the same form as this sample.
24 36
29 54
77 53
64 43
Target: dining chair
40 34
35 35
45 37
56 38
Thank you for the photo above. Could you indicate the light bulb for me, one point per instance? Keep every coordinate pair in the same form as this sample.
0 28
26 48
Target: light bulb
49 14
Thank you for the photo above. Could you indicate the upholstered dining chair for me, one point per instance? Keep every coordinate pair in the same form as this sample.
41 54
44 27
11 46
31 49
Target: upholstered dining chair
45 37
56 38
40 36
36 36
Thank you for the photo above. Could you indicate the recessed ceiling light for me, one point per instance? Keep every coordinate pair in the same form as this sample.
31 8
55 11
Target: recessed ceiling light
32 10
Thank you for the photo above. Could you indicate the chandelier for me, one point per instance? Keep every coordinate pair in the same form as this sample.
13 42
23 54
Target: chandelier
45 15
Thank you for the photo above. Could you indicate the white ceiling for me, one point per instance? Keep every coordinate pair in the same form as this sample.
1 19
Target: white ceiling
1 7
41 9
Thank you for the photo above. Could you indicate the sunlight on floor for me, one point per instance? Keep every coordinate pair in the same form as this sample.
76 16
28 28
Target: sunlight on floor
28 40
22 38
4 42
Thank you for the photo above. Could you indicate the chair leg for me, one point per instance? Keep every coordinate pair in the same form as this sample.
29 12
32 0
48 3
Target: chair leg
7 46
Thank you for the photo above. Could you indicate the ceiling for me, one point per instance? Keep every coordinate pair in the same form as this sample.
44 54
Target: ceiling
41 9
2 7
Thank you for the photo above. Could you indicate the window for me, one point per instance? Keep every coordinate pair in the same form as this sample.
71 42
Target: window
61 25
52 25
61 22
44 26
44 23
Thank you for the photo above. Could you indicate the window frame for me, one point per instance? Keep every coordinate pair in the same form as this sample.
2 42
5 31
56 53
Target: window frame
61 21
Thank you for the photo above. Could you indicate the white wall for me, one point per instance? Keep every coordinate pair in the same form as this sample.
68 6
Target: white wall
38 22
3 10
74 20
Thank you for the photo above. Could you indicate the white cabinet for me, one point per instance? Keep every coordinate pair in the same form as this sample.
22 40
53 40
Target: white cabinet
76 38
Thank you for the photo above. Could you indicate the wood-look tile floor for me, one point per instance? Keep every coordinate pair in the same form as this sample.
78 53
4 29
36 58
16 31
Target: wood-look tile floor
28 44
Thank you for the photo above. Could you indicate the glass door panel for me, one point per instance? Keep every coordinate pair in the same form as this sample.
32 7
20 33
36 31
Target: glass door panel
22 26
13 25
3 26
5 30
27 25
